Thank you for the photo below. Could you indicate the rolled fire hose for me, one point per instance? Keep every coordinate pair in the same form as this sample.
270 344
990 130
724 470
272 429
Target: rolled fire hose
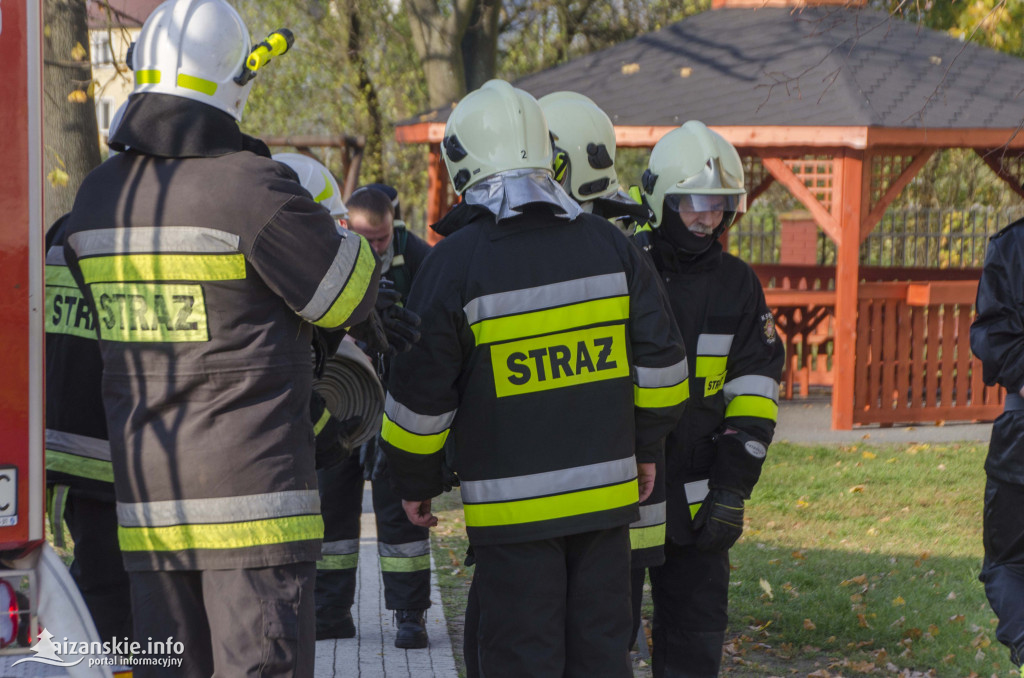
350 388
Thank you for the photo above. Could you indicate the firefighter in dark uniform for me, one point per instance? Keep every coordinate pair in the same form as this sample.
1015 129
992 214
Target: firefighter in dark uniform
78 469
550 357
997 338
403 548
207 266
694 187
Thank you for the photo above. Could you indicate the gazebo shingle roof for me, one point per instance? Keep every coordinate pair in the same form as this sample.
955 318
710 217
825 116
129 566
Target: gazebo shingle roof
821 66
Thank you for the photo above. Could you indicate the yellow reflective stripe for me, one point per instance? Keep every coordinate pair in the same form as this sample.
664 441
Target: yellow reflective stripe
328 190
395 435
201 85
60 276
551 320
76 465
349 561
414 564
549 508
668 396
694 508
321 422
222 535
354 290
710 365
150 77
647 537
752 406
148 312
151 267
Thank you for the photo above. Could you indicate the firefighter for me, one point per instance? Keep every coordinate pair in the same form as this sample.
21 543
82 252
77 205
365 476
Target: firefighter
550 356
584 162
997 339
694 187
403 548
206 266
318 181
79 474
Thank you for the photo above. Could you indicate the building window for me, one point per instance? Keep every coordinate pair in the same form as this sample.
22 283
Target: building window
104 112
102 55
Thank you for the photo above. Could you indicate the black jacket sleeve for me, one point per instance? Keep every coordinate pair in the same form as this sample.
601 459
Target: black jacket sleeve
997 333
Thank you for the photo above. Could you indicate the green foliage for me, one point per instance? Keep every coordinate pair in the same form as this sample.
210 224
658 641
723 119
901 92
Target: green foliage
998 24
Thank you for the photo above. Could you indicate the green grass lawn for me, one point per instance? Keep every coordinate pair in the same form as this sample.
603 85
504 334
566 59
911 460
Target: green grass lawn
855 560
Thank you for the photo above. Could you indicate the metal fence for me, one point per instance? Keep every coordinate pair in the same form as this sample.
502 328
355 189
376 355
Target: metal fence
925 238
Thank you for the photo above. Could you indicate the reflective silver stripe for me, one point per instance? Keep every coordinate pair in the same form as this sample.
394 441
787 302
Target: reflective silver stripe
550 482
657 377
55 257
696 491
342 547
219 510
752 384
714 344
334 280
408 550
82 446
420 424
652 514
164 239
546 296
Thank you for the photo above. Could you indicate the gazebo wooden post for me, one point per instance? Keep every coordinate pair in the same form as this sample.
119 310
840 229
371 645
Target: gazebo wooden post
848 201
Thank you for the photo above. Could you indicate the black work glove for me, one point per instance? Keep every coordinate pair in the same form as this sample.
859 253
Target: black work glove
399 322
719 521
331 443
449 478
371 335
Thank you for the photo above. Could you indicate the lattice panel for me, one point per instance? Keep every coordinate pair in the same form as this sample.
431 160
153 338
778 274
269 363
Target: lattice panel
885 169
816 173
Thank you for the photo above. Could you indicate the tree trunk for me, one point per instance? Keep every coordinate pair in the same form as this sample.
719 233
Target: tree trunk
437 37
480 43
69 125
373 149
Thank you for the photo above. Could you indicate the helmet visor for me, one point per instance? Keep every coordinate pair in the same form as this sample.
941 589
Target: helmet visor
705 202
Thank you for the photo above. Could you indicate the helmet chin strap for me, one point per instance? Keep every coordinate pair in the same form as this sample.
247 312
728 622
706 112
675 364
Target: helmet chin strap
688 242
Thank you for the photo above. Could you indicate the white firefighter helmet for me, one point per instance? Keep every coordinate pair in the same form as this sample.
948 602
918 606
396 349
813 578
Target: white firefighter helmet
584 145
316 179
194 49
696 169
495 129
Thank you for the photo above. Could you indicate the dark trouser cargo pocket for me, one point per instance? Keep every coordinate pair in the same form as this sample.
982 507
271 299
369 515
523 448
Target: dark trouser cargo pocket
280 638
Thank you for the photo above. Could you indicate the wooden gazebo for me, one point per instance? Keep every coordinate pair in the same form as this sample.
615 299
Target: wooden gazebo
842 106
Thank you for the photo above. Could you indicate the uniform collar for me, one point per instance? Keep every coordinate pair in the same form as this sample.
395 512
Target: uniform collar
673 259
174 127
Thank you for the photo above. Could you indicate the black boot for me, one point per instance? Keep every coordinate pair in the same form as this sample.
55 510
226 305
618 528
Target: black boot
412 630
337 626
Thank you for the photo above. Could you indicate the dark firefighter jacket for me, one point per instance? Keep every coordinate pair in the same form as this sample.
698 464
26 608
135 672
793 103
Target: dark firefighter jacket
735 360
410 251
540 337
77 449
997 338
207 266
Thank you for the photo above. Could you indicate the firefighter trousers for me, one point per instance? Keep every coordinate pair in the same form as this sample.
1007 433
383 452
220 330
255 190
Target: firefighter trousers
250 622
1003 568
404 548
690 593
97 568
555 608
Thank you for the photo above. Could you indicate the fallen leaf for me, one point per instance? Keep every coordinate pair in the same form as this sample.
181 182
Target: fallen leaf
860 580
685 72
868 455
800 503
767 588
933 629
956 618
862 621
951 596
857 488
630 69
799 555
809 625
898 601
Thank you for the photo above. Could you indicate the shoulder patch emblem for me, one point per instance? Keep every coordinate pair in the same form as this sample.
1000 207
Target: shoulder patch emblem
768 334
